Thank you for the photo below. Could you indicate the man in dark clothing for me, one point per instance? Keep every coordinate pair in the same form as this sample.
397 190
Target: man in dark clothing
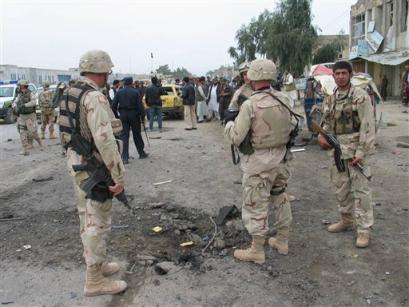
142 89
188 95
384 87
131 112
224 96
154 102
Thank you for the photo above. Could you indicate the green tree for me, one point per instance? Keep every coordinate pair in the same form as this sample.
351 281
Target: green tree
164 70
180 73
284 35
325 54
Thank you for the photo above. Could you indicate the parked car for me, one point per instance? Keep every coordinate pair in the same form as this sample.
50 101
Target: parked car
8 92
172 103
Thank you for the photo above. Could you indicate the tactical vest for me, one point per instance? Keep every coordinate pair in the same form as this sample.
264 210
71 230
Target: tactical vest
22 100
272 124
343 116
45 101
70 106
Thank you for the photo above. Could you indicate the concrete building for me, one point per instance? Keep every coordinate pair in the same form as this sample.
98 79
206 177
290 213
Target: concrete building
379 40
36 75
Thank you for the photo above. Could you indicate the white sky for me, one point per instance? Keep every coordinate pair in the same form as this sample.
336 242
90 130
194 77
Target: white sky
195 34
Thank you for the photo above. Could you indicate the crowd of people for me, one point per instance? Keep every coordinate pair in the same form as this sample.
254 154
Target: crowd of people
258 120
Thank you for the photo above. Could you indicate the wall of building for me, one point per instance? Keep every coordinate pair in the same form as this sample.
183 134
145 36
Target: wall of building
36 75
391 21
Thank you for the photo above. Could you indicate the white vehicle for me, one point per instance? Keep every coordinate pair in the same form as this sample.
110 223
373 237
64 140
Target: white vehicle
7 94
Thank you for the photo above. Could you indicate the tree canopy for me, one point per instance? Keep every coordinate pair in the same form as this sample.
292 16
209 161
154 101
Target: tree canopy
179 72
285 35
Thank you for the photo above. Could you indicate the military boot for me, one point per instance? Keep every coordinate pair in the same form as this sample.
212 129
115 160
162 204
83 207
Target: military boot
109 268
345 223
255 253
24 152
42 135
52 136
97 284
362 239
280 241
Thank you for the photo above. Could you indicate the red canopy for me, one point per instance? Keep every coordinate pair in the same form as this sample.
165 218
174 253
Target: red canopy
321 70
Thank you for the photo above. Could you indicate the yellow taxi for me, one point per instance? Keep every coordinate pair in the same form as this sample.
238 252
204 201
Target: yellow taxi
172 103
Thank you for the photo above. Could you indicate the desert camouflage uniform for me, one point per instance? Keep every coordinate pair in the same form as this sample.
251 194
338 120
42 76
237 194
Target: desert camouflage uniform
349 115
99 124
26 123
47 111
240 95
265 172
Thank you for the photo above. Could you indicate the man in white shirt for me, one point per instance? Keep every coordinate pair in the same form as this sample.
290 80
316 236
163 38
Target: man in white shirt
113 90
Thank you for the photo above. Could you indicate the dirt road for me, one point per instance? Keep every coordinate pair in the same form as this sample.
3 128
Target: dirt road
40 249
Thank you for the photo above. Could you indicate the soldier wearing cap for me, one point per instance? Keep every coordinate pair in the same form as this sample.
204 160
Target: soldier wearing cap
348 114
266 118
47 111
85 110
244 91
25 107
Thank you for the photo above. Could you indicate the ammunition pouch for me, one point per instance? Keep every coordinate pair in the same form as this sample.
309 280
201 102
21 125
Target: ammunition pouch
246 148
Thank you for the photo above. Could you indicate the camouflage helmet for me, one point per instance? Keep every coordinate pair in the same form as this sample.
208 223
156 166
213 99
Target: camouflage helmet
95 61
243 67
46 84
262 69
22 82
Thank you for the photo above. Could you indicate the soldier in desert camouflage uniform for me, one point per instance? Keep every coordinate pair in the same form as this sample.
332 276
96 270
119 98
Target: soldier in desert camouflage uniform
243 92
348 114
266 171
25 106
97 125
45 100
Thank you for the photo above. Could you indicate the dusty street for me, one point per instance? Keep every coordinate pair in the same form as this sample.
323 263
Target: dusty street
40 249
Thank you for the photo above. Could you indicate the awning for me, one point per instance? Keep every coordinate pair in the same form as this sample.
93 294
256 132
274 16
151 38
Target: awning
389 58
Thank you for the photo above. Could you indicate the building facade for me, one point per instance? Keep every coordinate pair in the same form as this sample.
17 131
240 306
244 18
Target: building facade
36 75
379 40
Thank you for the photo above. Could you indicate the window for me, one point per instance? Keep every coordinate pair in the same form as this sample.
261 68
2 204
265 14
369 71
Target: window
404 17
358 28
391 14
40 79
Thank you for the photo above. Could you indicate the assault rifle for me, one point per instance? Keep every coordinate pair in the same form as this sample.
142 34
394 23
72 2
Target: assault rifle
332 140
96 186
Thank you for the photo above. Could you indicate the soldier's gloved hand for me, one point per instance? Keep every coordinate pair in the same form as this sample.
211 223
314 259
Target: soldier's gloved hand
230 115
117 188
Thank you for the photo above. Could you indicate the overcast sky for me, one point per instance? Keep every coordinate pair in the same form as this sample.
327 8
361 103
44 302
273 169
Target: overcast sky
194 34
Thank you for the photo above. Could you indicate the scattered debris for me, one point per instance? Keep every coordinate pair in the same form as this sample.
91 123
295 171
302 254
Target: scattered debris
7 302
387 273
226 213
396 152
43 179
214 235
219 243
10 219
28 246
157 205
157 229
402 145
297 149
119 226
237 181
164 267
325 222
155 137
162 182
9 140
156 282
188 243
